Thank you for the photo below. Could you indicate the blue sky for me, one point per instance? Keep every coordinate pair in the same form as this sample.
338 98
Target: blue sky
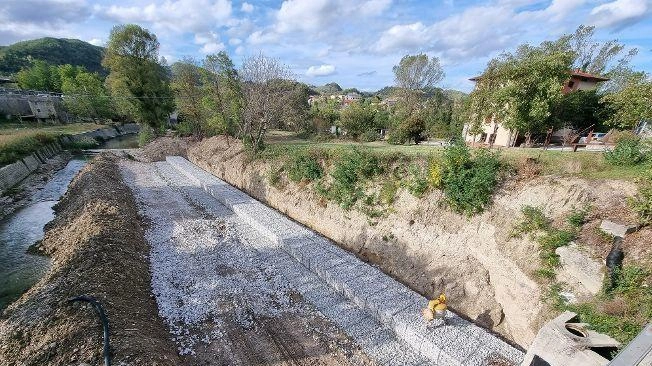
354 43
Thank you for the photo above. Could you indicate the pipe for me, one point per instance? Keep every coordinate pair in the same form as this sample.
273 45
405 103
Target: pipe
105 323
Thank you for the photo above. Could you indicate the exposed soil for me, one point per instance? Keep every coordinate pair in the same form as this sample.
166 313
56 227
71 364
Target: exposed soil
21 194
97 248
488 275
164 146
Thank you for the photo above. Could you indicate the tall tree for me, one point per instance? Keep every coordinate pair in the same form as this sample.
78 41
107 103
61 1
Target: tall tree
84 94
137 81
187 87
413 74
521 89
632 104
264 99
223 94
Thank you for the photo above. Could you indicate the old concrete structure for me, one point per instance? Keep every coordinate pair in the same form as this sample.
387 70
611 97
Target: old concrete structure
564 342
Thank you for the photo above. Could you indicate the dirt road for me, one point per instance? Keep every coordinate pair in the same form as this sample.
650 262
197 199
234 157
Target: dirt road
224 304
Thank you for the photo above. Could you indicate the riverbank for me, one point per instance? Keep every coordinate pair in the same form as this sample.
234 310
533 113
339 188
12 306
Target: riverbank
97 248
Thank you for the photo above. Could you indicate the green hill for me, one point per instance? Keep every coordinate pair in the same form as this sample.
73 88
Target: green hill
55 51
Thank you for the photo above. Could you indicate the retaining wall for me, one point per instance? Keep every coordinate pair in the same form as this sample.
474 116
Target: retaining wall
12 174
375 294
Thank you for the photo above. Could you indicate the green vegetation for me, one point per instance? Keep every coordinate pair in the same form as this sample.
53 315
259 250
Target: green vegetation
352 168
629 151
468 180
53 51
137 81
641 204
303 167
620 310
18 140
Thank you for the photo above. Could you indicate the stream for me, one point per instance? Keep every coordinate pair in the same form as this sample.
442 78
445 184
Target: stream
18 269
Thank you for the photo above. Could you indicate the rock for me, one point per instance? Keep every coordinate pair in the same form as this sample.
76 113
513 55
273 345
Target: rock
615 229
581 272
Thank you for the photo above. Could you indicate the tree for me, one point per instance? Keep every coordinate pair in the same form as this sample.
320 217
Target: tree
224 96
84 93
356 119
632 104
414 74
137 81
264 99
40 76
186 85
579 110
521 89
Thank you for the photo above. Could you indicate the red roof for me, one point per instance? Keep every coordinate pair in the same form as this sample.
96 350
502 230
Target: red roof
579 73
582 74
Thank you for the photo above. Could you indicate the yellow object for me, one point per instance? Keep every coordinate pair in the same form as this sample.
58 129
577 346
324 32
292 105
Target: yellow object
436 308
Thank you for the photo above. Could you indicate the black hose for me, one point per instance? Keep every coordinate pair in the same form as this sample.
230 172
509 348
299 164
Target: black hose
105 323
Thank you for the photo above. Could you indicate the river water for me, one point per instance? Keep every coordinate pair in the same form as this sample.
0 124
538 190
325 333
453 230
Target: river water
18 269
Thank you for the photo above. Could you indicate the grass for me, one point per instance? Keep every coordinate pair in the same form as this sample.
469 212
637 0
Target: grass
583 164
619 311
19 140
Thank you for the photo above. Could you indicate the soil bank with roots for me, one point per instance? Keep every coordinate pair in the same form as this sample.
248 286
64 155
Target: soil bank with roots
487 276
97 248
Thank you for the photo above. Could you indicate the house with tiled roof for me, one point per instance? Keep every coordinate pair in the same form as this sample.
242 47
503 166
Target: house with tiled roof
493 133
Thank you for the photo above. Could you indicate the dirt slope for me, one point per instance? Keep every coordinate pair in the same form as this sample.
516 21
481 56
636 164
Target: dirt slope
487 276
97 248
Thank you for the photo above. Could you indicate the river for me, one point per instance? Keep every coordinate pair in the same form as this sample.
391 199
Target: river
18 269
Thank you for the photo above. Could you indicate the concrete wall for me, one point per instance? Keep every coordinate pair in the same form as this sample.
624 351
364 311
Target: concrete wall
12 174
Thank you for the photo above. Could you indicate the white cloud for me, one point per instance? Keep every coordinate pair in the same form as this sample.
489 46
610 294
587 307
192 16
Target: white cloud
619 14
402 37
321 70
235 41
179 16
247 8
96 42
319 15
212 47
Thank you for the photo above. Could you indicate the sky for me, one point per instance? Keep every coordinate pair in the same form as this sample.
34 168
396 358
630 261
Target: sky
352 42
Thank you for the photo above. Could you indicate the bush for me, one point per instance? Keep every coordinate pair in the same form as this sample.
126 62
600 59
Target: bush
641 204
417 183
577 218
628 152
351 168
435 174
533 220
303 166
469 182
370 135
388 192
146 135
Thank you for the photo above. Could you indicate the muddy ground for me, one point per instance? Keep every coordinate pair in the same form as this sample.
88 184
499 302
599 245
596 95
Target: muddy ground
97 248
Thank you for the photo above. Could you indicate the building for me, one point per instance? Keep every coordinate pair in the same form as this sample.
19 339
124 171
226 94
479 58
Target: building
495 134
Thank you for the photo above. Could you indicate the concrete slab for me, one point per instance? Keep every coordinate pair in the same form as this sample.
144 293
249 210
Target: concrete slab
616 229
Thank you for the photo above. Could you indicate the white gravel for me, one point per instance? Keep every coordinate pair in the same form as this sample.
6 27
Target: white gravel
202 263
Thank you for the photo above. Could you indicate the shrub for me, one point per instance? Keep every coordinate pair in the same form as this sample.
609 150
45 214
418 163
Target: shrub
303 166
417 183
435 174
533 220
469 181
274 176
370 135
351 168
628 152
641 204
145 135
577 218
388 192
